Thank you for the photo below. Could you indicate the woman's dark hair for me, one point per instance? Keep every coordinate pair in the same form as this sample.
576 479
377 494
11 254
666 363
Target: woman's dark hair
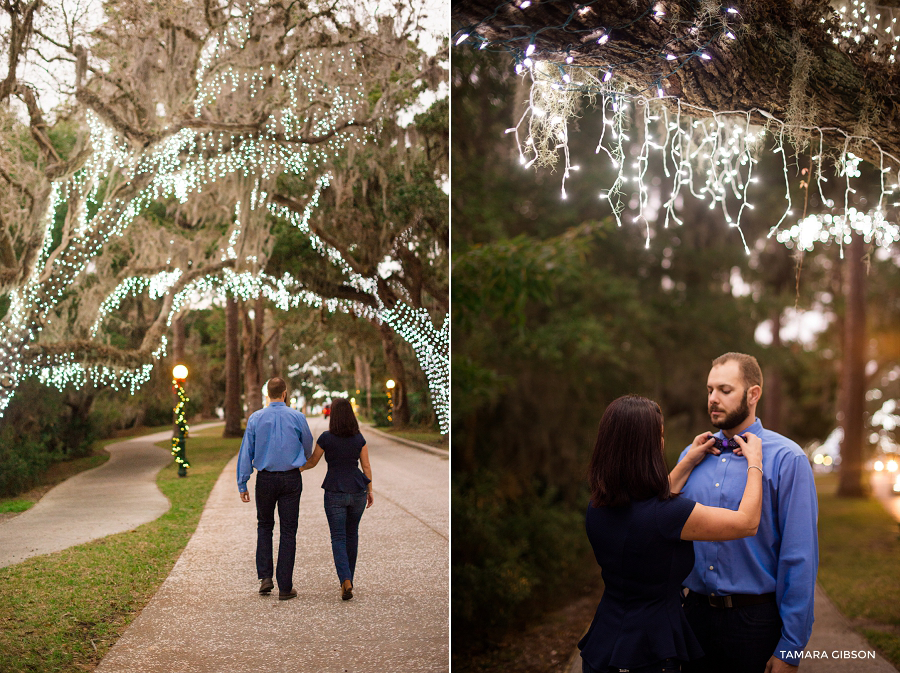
342 421
628 463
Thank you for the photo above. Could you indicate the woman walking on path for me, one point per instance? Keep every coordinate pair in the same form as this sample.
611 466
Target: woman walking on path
348 492
640 529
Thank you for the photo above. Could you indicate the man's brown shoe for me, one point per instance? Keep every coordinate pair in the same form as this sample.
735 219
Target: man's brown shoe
266 586
347 590
286 596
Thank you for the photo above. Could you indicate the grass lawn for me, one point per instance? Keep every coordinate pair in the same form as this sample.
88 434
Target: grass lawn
858 551
421 435
14 505
63 611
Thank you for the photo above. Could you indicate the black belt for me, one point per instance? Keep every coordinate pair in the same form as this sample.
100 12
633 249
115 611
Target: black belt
735 600
296 469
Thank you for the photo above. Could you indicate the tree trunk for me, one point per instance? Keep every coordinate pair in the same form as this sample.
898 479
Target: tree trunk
178 339
853 375
79 426
362 372
233 412
772 397
253 349
396 372
369 393
275 353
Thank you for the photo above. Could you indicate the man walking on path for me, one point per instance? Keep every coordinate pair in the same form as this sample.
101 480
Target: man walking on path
277 442
750 602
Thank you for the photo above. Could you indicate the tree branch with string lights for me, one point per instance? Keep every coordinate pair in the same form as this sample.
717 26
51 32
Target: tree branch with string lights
703 83
197 112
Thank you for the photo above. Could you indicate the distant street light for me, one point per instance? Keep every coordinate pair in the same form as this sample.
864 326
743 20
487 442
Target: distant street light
179 442
390 388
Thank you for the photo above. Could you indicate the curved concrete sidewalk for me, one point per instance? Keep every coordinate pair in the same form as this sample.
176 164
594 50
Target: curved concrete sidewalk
207 617
118 496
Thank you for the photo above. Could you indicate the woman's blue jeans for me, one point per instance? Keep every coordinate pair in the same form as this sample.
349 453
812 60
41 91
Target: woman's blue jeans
344 510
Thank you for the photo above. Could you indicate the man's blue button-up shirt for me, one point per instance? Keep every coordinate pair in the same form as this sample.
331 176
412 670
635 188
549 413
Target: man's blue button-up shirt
277 439
783 557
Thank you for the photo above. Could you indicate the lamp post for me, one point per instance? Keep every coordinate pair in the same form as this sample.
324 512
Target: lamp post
179 376
390 388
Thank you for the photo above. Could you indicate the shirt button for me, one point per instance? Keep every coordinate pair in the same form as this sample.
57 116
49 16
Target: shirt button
717 485
710 567
713 593
723 460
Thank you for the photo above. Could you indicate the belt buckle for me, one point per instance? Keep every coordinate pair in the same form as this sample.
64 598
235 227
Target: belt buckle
719 601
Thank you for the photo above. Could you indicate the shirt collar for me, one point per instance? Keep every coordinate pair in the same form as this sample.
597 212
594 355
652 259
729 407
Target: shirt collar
277 403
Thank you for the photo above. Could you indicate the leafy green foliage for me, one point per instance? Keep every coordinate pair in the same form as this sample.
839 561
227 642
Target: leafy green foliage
38 429
509 554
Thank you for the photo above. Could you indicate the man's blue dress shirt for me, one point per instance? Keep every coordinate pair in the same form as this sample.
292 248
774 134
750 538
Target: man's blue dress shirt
277 439
784 554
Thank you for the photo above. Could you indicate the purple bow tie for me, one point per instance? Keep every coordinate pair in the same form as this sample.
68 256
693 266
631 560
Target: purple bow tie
726 445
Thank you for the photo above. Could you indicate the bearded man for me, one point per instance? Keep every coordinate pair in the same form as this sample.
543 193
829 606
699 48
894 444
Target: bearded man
750 601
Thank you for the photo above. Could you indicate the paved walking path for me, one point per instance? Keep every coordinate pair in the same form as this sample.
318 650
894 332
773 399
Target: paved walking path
208 616
118 496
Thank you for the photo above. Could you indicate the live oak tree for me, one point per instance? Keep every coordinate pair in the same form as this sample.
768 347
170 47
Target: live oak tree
385 212
156 171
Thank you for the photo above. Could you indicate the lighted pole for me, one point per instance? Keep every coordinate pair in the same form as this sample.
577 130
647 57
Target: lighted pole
179 376
390 388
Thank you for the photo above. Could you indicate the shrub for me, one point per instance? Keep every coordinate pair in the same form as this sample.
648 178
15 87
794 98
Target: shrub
523 552
380 411
22 462
41 426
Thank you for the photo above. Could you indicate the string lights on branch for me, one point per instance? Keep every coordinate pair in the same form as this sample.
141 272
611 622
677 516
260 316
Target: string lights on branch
316 103
432 349
708 154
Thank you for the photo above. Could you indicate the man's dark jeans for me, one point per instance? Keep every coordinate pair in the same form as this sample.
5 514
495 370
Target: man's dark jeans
344 510
738 640
666 666
282 489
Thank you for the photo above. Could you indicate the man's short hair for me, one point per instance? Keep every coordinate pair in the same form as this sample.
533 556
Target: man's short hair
276 387
750 371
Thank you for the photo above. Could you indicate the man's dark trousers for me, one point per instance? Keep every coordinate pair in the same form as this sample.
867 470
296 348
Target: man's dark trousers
736 640
282 489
